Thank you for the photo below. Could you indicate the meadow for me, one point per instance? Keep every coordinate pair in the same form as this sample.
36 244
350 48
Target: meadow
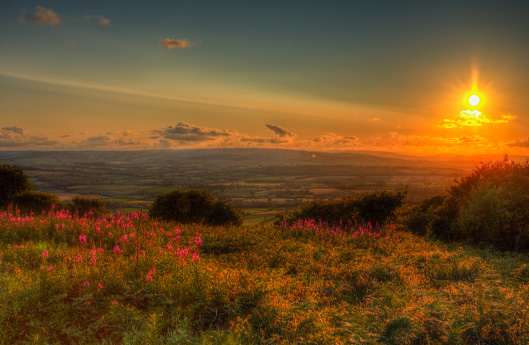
67 278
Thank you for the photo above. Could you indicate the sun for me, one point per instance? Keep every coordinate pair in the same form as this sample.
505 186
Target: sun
473 100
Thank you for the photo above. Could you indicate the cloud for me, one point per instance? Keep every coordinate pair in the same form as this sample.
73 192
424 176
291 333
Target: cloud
375 119
519 143
474 118
105 142
15 137
170 43
13 129
186 132
330 139
43 16
100 19
281 132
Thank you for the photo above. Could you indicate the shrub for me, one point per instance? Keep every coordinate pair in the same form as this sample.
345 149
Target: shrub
417 218
32 201
194 206
86 205
374 208
13 181
491 206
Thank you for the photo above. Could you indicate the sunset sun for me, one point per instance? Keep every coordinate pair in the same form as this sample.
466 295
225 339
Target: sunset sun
473 100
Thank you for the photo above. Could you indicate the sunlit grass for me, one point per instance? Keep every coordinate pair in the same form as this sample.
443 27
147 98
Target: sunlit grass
126 278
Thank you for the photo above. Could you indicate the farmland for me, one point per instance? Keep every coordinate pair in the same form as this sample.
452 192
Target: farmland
257 181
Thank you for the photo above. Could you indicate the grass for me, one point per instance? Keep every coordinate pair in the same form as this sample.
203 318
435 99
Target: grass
71 280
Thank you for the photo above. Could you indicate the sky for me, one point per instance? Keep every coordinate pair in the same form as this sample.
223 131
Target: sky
318 75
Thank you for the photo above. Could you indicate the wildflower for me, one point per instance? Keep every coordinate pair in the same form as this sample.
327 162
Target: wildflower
44 254
51 268
198 241
196 258
117 250
100 250
114 302
86 283
79 258
149 278
100 286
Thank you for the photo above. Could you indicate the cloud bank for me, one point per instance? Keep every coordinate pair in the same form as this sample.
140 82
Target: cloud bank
474 118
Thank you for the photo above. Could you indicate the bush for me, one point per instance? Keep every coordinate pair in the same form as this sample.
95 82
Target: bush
417 218
86 205
13 181
491 206
375 208
194 206
32 201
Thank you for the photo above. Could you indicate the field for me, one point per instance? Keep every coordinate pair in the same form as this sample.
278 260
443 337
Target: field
253 179
129 279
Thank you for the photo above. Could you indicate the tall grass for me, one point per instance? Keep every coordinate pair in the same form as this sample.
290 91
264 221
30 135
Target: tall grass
126 278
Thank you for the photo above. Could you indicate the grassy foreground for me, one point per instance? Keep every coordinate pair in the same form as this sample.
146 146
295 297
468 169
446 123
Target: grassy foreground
128 279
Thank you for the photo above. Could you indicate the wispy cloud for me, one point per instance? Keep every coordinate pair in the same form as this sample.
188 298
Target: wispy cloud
375 119
43 16
280 131
331 139
170 43
519 143
474 118
100 19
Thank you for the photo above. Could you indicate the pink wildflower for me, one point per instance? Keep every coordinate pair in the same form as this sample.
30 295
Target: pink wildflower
100 286
198 241
117 250
44 254
196 258
114 302
86 283
51 268
149 278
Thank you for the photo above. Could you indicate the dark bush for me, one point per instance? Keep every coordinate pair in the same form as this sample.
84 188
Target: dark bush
490 206
86 206
374 208
417 218
36 202
13 181
194 206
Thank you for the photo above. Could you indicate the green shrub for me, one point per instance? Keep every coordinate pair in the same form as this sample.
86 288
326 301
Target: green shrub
13 181
32 201
85 206
417 218
194 206
491 207
375 208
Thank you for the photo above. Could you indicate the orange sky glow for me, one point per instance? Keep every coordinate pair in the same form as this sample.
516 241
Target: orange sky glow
88 78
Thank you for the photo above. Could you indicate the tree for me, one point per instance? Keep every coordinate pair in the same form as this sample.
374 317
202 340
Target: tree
13 181
86 205
194 206
33 201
